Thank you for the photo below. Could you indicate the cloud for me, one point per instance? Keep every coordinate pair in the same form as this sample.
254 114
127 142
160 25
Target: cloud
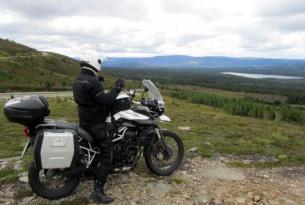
281 8
192 38
259 28
54 8
287 16
291 23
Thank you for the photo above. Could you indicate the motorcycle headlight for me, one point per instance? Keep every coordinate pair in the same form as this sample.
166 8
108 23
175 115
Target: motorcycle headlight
161 106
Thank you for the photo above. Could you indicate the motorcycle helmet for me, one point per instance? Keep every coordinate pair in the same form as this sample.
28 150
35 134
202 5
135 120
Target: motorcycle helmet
91 62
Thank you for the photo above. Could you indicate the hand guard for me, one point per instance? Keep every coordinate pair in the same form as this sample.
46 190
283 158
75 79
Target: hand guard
119 84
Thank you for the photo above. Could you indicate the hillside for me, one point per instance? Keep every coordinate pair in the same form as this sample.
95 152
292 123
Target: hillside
221 141
181 61
26 69
221 131
11 48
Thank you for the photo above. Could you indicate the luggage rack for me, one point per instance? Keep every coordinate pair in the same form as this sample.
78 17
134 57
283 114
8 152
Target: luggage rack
90 152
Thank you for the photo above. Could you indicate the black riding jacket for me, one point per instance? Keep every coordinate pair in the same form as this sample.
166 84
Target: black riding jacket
93 103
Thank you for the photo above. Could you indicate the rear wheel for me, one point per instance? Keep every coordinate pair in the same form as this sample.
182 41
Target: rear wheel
164 160
51 183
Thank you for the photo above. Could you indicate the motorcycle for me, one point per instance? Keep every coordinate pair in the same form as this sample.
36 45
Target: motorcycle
63 153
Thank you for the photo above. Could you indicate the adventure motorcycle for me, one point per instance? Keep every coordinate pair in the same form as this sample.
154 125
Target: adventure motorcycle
64 152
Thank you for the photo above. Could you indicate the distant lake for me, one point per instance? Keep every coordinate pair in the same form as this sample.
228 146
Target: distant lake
263 76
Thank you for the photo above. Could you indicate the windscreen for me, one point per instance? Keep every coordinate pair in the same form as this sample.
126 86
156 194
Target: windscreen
153 91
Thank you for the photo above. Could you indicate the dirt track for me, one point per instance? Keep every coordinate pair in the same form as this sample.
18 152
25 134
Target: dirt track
199 181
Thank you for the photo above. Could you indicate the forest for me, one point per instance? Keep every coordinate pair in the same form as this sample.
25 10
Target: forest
212 78
250 107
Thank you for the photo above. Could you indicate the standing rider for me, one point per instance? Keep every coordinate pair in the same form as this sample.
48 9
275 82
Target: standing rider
93 108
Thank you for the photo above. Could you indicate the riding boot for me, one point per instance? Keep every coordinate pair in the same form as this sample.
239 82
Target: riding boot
98 194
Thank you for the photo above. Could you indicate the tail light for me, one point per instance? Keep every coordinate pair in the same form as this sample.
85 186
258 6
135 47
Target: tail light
26 132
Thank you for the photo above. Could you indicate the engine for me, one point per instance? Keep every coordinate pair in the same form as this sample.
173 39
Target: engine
125 151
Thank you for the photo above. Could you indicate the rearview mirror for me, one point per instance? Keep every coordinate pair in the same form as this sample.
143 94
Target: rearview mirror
132 92
145 88
101 78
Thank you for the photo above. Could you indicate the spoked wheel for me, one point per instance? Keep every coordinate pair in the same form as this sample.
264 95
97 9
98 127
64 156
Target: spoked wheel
164 159
51 183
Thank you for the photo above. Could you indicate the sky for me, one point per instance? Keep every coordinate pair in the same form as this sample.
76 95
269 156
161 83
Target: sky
125 28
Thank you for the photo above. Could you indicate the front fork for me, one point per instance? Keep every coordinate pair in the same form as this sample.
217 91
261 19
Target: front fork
160 138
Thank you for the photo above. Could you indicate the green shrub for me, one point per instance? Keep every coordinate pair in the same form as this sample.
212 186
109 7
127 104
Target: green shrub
49 84
250 107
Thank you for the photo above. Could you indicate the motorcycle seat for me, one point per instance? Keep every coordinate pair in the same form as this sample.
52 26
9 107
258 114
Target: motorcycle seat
69 126
58 124
82 132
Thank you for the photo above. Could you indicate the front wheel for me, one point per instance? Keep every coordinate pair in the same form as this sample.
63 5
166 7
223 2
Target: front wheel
51 183
164 158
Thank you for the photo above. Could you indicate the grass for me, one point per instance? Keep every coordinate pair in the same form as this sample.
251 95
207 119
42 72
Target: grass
245 106
11 48
212 130
43 73
37 72
8 175
25 69
225 93
12 137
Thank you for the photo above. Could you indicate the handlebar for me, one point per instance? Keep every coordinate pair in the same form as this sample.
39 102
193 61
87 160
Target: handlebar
128 92
149 105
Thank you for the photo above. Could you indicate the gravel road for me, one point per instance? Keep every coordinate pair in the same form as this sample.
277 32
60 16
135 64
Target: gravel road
199 181
46 94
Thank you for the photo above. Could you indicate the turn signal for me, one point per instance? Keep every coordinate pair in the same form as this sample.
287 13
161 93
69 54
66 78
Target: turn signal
26 132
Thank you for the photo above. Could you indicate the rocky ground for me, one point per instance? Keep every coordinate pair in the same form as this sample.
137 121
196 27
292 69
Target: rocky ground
199 181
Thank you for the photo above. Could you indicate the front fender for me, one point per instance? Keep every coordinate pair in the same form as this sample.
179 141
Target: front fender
164 118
